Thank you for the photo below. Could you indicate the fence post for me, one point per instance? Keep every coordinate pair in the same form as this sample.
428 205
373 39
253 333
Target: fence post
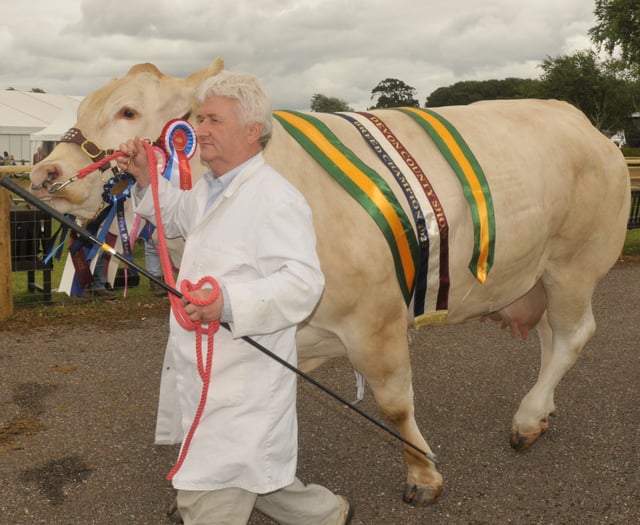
6 288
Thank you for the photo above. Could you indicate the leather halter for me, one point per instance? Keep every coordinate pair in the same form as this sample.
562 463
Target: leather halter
90 148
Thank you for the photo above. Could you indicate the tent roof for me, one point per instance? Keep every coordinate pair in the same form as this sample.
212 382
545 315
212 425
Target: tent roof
25 112
65 120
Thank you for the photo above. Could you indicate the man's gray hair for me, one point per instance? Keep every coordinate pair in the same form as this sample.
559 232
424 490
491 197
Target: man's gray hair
254 105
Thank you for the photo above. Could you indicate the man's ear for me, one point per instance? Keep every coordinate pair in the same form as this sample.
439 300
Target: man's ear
253 132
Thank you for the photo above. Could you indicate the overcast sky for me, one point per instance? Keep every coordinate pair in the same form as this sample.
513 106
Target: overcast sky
340 48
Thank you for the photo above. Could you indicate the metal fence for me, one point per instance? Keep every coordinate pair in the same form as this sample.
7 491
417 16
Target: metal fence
31 234
634 212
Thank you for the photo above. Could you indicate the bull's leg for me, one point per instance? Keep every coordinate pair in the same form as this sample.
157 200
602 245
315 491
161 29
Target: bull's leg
546 341
564 330
383 359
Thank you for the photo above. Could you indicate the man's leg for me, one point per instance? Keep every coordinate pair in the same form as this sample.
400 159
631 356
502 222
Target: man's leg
299 503
151 259
230 506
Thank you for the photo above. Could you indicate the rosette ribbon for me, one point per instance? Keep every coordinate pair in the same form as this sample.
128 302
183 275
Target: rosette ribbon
178 140
114 193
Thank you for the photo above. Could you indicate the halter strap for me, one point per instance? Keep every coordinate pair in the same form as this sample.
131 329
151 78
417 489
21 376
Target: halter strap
90 148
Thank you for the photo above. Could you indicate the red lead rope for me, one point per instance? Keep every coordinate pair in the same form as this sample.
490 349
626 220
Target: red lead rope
81 174
186 287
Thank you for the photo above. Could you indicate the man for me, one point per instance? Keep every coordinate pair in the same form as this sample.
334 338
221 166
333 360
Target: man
252 230
38 155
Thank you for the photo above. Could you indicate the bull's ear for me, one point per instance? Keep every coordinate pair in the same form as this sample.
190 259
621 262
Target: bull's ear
145 68
198 77
179 92
216 66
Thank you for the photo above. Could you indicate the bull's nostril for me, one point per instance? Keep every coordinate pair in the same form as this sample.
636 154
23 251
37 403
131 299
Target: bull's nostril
52 175
44 177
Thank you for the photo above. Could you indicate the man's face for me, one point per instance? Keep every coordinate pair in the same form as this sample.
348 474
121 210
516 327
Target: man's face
224 142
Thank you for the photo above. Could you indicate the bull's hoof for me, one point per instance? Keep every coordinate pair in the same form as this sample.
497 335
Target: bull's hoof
420 496
522 441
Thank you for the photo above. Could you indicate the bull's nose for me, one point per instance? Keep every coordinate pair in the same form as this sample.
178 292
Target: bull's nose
41 176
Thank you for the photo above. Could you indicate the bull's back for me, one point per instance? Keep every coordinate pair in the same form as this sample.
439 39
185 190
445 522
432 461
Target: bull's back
557 186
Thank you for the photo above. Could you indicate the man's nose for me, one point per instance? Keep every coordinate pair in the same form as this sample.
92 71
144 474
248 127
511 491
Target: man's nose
201 129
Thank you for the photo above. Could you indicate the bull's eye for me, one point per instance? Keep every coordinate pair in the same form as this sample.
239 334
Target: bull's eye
128 113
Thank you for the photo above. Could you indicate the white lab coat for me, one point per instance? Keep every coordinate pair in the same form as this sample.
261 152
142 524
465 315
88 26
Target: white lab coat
258 240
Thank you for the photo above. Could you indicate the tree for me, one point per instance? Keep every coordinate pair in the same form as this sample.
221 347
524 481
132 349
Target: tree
323 104
618 27
33 90
594 86
469 91
393 93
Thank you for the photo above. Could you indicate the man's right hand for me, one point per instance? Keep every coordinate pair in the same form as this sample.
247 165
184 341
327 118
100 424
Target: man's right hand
135 161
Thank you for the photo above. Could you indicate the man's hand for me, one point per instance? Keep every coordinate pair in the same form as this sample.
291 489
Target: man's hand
135 161
205 314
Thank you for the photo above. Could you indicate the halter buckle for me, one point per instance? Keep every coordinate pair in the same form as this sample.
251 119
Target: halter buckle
91 149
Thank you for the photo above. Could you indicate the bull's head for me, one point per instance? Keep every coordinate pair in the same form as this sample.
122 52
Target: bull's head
138 104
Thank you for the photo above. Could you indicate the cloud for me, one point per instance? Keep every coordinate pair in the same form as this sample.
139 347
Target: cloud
297 47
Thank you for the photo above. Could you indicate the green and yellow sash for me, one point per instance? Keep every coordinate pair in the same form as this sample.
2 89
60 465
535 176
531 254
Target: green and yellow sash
365 185
373 193
474 185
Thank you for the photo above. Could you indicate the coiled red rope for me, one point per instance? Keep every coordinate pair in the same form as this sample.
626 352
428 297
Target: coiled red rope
204 364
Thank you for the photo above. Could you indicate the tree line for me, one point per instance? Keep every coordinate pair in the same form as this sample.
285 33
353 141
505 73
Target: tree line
606 89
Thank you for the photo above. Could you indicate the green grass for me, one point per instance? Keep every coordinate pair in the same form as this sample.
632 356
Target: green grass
630 152
29 308
22 296
632 243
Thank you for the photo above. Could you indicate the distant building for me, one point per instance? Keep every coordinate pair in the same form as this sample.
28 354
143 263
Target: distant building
25 113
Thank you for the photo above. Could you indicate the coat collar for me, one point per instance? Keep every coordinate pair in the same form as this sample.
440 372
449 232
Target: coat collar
237 180
251 166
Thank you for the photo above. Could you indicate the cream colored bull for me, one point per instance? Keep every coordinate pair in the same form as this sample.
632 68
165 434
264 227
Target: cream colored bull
560 190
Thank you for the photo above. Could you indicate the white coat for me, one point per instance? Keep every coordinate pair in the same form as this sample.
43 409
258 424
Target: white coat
258 241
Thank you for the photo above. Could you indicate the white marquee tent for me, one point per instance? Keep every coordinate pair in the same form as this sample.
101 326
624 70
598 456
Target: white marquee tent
24 113
52 133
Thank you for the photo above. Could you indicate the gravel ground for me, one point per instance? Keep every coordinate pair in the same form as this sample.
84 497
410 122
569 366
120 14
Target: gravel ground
77 410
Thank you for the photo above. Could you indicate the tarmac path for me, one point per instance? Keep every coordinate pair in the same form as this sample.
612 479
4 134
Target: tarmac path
77 413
